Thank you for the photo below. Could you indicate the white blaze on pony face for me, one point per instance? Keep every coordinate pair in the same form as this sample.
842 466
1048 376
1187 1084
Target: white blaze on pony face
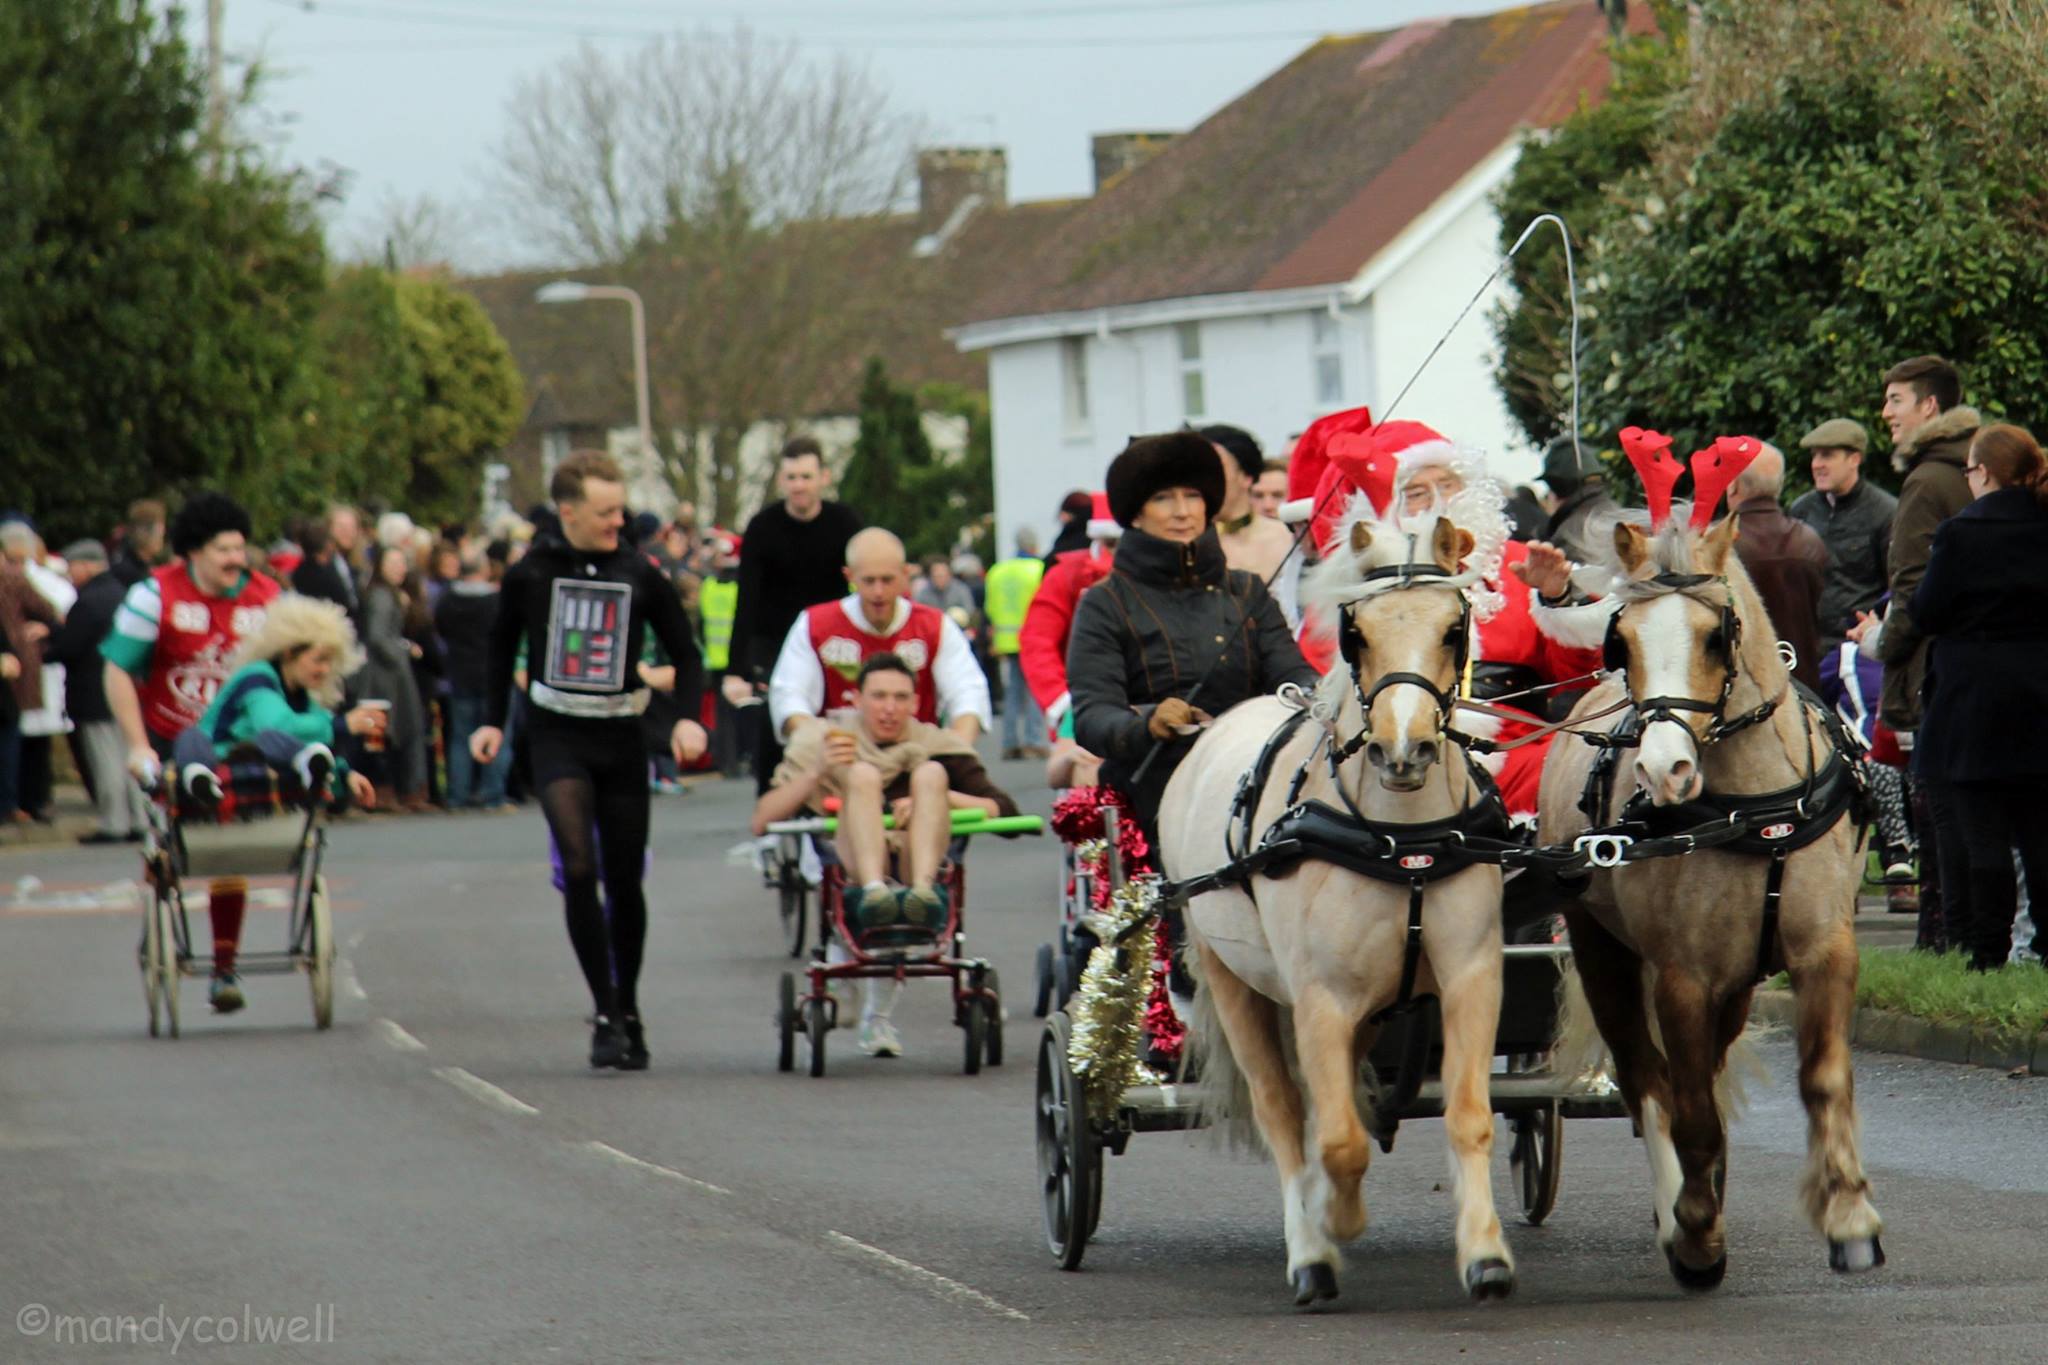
1417 630
1668 658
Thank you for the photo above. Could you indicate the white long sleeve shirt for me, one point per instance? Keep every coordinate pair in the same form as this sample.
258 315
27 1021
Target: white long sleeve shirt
797 685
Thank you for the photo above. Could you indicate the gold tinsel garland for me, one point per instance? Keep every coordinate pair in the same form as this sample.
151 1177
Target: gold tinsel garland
1108 1007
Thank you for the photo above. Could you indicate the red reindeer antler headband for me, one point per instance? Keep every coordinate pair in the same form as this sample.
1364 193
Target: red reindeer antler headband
1713 469
1650 453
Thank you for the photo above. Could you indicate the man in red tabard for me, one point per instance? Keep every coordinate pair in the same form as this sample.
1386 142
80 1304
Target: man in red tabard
818 669
168 654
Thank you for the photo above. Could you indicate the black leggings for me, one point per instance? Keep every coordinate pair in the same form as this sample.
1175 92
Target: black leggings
591 777
1994 819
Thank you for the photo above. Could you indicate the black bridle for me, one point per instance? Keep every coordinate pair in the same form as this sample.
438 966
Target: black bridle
1728 649
1351 642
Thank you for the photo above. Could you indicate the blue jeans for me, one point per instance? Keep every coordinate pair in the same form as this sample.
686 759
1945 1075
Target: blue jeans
465 786
1020 708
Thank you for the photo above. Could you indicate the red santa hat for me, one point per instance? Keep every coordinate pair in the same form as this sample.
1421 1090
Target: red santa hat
1375 462
1101 525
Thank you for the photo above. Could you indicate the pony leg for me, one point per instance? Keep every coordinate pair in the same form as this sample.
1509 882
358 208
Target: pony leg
1612 976
1470 997
1689 1019
1325 1039
1836 1193
1251 1030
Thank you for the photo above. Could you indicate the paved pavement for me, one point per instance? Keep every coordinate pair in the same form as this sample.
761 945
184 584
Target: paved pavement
440 1178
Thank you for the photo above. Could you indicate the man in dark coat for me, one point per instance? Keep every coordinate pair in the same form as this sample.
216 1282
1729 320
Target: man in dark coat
325 574
1578 481
1931 433
792 557
1785 558
1854 519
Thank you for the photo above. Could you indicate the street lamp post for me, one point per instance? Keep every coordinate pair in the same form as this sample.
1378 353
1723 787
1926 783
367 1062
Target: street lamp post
570 291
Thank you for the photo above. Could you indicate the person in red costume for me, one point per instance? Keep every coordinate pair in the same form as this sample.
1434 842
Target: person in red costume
1531 632
1042 641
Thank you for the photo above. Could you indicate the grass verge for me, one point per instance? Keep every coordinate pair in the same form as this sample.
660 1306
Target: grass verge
1940 988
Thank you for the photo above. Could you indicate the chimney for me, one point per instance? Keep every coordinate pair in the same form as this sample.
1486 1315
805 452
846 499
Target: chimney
1118 154
946 176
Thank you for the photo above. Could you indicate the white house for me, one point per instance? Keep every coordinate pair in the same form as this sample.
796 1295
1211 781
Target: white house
1299 252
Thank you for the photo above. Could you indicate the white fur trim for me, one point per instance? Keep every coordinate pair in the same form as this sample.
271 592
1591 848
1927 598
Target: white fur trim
1478 724
1104 530
1424 453
1578 627
1055 711
1297 510
1495 763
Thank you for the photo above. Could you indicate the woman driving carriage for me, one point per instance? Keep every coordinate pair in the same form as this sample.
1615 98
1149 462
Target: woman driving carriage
1173 636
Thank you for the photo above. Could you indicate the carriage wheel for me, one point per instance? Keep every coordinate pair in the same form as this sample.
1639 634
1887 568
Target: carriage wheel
785 1023
974 1025
320 960
146 957
1063 980
816 1023
795 900
992 1040
1535 1161
1069 1161
1042 1004
169 972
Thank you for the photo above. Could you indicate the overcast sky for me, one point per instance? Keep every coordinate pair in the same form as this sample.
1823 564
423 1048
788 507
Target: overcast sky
406 96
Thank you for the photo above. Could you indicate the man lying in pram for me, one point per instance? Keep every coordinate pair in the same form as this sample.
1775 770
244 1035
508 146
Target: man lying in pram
279 700
882 759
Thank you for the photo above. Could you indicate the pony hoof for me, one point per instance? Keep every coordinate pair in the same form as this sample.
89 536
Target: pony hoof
1491 1278
1702 1278
1856 1254
1313 1283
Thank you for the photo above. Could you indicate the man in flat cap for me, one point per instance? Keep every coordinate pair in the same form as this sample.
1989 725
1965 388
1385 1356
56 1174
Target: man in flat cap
1854 518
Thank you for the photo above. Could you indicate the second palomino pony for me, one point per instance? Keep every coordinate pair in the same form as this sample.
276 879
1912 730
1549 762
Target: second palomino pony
1297 970
1724 761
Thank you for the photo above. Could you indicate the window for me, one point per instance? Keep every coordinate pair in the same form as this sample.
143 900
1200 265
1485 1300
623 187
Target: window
1189 337
1074 381
554 448
1326 353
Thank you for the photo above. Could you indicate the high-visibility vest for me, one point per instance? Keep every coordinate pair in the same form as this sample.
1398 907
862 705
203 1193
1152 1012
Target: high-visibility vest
1011 586
718 603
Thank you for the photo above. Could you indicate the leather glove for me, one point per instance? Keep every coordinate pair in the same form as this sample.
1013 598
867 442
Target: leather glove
1168 717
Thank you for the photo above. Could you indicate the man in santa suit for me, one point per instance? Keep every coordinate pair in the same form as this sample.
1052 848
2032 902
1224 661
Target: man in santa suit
819 665
1531 632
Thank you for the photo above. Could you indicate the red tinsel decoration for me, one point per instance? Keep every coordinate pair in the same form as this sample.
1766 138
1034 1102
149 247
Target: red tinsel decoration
1077 819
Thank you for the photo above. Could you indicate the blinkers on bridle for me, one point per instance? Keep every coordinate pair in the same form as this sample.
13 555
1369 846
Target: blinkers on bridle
1351 641
1725 645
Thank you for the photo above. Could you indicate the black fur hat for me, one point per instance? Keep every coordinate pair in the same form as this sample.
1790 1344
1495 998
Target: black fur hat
1174 459
204 516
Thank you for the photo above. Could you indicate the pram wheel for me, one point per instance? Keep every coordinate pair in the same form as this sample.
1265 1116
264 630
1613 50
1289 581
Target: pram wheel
164 916
785 1023
1535 1160
992 1042
1041 1004
320 958
974 1024
795 899
146 957
817 1022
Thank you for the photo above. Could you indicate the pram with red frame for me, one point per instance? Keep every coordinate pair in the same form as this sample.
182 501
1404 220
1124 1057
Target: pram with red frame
894 953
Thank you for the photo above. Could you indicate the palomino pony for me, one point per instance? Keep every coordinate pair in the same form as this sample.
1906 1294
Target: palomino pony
1296 970
1668 949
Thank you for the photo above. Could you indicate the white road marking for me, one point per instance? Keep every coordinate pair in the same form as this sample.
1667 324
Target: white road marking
929 1280
355 941
477 1088
611 1153
396 1035
349 983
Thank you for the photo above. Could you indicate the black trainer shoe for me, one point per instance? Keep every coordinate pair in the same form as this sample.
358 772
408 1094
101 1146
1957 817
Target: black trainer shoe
634 1057
607 1043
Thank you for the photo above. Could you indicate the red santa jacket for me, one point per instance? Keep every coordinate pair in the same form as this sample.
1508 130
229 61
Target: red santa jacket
1513 635
1042 642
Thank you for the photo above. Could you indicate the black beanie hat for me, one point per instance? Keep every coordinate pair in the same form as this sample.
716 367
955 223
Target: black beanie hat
204 516
1176 459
